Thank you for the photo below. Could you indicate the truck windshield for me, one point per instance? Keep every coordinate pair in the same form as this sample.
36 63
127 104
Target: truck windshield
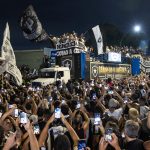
47 74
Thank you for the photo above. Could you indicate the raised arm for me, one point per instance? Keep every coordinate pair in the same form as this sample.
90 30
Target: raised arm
33 141
73 134
44 132
148 120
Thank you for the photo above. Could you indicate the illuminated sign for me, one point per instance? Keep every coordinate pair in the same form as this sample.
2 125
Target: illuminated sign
100 69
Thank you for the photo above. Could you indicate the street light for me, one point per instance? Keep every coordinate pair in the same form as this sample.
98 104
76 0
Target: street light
137 28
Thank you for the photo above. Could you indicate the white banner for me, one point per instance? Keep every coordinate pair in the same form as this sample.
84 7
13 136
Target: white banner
98 38
9 56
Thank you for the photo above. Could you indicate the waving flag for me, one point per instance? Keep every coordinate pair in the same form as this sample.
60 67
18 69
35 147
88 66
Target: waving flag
96 39
31 26
9 57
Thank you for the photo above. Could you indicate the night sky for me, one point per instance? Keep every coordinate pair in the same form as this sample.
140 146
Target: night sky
59 16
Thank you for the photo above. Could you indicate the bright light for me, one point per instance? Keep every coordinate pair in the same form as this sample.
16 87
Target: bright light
137 28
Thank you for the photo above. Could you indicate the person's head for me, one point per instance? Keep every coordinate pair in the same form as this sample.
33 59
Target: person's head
7 125
78 120
62 143
131 129
28 106
133 114
65 109
113 104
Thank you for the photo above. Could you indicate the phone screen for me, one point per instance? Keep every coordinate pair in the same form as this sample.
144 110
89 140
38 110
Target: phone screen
16 112
125 99
63 102
23 118
110 92
10 106
97 118
78 105
36 129
96 129
82 144
50 99
57 113
1 114
94 96
42 148
108 133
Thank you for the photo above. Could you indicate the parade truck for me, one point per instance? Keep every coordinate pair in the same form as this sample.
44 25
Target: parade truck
75 63
71 60
51 75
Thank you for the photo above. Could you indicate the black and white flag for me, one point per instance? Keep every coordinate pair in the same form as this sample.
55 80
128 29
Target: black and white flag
8 55
97 40
31 26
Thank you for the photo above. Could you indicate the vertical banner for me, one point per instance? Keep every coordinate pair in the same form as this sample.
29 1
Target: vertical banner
135 64
98 39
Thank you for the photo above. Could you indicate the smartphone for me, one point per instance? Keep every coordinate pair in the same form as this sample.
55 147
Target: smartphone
29 97
108 134
97 119
1 113
0 100
125 100
82 144
106 87
110 92
42 148
10 106
16 113
36 129
37 88
94 96
96 129
57 113
78 105
50 99
100 85
63 102
23 118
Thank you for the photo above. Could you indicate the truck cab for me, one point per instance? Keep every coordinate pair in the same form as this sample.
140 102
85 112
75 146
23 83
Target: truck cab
51 75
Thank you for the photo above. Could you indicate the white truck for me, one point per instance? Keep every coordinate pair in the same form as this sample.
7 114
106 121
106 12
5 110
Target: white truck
51 75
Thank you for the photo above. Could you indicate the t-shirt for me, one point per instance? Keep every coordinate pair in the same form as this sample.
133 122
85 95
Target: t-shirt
116 113
134 145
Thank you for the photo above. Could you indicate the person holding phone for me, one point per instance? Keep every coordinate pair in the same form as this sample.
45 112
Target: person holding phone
79 125
44 132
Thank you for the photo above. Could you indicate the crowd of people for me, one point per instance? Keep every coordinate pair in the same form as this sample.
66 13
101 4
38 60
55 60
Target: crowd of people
124 50
101 114
68 37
